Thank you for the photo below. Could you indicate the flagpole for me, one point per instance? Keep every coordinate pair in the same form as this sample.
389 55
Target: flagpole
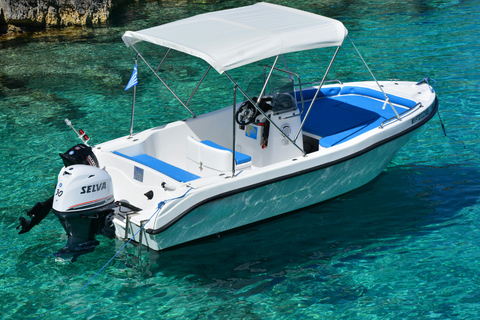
133 102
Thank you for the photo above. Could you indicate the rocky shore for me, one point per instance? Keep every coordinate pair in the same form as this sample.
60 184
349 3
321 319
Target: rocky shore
18 16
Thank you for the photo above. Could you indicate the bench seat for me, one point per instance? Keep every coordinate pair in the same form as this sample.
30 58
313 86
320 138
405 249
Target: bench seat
161 166
239 157
344 113
337 119
377 95
206 157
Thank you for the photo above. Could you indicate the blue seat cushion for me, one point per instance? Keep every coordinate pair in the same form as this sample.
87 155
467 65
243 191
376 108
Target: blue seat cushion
239 157
330 116
344 136
378 95
357 103
336 120
309 93
161 166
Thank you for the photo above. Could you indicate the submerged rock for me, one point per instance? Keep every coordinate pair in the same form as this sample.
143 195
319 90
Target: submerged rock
16 16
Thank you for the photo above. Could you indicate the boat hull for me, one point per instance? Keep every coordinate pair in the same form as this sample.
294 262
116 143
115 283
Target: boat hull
253 204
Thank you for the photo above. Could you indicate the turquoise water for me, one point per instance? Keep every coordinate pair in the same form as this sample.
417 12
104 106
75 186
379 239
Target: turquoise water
405 246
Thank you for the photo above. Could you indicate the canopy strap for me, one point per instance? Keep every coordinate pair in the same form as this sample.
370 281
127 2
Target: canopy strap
198 85
163 59
387 99
164 83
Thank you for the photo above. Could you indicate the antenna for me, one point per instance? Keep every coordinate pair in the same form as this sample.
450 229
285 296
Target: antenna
81 134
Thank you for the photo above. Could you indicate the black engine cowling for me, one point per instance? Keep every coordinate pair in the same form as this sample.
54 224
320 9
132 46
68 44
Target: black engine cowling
79 154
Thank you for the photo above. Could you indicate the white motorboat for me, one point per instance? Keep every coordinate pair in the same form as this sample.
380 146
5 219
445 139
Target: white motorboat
268 151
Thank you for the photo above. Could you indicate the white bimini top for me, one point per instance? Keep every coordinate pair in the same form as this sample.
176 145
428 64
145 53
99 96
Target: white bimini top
232 38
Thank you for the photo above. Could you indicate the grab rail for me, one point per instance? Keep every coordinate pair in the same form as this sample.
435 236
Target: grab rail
401 115
326 81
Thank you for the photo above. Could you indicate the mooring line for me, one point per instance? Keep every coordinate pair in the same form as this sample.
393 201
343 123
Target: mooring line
159 207
445 131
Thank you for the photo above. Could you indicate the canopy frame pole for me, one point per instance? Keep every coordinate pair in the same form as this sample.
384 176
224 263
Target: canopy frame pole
164 83
317 92
234 133
263 113
267 80
387 99
133 101
163 59
198 85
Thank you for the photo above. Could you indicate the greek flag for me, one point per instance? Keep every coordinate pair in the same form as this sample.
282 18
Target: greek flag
133 79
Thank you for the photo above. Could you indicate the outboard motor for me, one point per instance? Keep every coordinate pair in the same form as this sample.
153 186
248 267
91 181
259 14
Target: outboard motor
83 202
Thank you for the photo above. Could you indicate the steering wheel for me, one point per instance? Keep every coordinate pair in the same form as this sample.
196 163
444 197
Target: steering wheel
245 114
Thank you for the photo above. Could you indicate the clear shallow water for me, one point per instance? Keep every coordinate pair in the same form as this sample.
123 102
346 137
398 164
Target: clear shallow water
402 247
